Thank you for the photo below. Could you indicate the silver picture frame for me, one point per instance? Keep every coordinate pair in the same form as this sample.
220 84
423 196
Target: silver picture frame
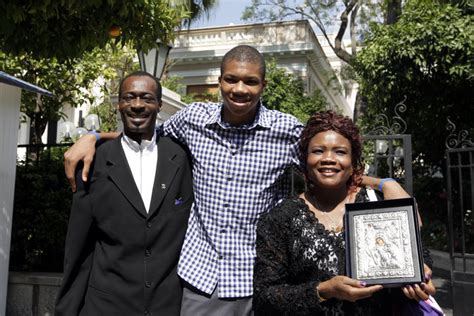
383 244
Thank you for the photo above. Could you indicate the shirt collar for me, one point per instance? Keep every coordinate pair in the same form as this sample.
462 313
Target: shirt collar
262 118
144 145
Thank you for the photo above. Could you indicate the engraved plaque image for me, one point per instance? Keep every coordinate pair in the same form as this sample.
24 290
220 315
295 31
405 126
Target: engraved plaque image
383 242
383 245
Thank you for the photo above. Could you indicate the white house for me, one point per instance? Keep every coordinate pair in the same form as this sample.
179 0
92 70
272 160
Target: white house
197 54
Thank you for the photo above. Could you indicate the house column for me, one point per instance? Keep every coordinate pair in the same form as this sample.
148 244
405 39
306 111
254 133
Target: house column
9 123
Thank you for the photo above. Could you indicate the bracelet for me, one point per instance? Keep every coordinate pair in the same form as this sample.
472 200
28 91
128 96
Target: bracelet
97 135
321 299
382 181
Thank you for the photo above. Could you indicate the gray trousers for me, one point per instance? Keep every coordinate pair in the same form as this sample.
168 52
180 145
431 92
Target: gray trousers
197 303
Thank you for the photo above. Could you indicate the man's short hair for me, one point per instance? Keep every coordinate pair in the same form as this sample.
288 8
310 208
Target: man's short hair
142 74
245 53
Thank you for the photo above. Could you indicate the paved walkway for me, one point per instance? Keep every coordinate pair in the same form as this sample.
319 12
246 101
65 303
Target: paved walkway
443 293
442 280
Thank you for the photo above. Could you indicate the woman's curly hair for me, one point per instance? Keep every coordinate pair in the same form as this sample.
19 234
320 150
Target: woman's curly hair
331 121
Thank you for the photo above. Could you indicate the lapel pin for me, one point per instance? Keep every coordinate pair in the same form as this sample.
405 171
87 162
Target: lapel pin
163 186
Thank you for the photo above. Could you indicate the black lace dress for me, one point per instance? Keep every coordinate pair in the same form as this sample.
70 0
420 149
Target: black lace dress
294 253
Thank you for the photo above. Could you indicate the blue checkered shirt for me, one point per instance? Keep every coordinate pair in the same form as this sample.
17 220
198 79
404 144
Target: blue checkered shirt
239 173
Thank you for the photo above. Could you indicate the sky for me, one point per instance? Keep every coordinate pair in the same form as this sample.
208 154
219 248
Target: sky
226 12
229 12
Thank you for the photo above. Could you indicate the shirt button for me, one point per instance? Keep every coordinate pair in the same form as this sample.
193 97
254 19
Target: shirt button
147 284
148 252
146 313
148 225
221 257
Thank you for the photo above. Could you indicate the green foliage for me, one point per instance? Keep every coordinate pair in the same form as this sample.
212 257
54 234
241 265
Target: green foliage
107 113
174 84
203 97
65 46
188 98
117 63
197 9
67 29
285 92
70 82
426 56
63 79
41 211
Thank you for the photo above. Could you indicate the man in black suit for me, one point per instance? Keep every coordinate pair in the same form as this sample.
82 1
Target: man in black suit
127 225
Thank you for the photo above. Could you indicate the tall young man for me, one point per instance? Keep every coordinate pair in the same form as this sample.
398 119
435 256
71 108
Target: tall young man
241 154
128 222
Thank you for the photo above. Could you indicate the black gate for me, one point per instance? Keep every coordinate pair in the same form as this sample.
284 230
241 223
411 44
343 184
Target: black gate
460 186
388 150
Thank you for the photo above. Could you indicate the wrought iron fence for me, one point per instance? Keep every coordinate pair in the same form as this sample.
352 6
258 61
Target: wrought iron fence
460 188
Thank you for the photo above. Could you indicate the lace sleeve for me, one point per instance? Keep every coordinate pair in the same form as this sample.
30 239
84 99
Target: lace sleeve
273 291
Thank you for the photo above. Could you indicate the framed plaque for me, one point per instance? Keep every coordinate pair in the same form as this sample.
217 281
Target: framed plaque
383 243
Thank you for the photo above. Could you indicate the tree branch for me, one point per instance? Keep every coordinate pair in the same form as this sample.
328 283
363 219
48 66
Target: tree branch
321 27
352 28
340 52
315 18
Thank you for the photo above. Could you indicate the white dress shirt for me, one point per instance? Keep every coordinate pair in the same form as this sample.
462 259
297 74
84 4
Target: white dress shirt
142 159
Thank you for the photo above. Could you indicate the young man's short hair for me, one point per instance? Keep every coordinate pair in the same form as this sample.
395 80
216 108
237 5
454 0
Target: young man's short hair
245 53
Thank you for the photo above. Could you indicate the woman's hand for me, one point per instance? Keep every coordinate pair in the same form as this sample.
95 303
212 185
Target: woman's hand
424 290
344 288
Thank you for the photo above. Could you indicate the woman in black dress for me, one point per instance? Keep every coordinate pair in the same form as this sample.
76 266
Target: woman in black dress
300 261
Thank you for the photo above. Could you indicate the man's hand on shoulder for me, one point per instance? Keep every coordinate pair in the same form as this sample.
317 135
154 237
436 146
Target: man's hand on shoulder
83 149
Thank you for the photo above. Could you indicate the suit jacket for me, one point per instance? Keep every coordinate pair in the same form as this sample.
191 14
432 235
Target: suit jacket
119 259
